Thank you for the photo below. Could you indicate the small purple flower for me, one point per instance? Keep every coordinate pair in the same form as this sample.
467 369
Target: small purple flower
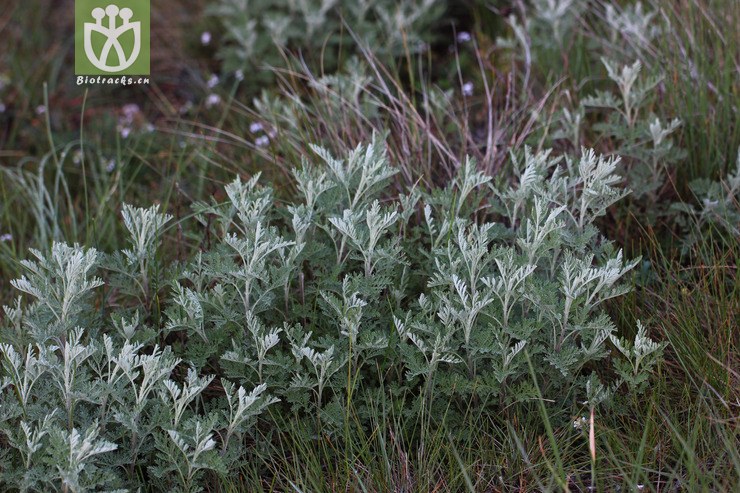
205 38
213 100
467 89
255 127
130 111
262 141
6 237
463 37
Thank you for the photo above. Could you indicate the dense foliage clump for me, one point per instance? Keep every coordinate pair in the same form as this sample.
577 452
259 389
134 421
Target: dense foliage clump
478 292
257 32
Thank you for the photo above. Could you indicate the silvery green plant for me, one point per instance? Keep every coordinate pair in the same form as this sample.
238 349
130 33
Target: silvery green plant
256 30
716 208
179 397
557 15
633 91
75 454
258 247
61 285
633 24
442 296
364 231
493 298
261 341
639 358
640 136
314 369
645 141
347 87
88 410
187 453
541 26
136 272
144 227
249 272
243 407
570 125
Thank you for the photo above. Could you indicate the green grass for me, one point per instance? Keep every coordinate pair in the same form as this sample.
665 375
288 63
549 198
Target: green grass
701 64
668 440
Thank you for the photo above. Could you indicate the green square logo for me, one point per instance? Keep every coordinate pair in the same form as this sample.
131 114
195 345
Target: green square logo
112 37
